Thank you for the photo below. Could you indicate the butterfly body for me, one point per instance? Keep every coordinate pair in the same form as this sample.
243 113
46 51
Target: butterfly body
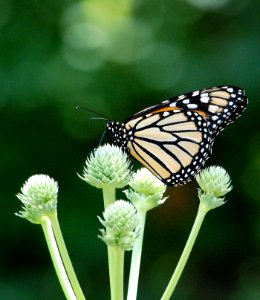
174 138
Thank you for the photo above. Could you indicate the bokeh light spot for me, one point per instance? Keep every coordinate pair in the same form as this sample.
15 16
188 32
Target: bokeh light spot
163 68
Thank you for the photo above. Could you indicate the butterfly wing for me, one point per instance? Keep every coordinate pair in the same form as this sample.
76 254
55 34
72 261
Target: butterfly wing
173 139
172 144
220 106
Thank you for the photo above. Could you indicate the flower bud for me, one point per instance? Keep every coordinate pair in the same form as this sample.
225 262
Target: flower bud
146 190
214 183
120 222
214 180
107 165
39 198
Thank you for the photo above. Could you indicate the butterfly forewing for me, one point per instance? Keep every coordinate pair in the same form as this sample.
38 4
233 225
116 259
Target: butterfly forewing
219 105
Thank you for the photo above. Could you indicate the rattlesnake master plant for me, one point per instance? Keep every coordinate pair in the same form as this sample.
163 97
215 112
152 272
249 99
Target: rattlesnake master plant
146 191
39 198
39 203
214 179
214 182
120 222
107 165
108 168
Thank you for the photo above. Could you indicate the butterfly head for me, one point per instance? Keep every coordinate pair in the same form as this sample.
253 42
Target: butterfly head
116 132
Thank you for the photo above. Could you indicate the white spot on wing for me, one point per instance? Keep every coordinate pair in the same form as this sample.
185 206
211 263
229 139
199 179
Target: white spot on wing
204 99
196 93
186 101
192 106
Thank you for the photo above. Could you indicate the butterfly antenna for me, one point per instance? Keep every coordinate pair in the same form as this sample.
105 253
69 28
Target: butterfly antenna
101 117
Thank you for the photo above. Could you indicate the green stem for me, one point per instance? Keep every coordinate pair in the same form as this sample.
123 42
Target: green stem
116 272
202 211
136 259
65 258
57 260
115 254
109 195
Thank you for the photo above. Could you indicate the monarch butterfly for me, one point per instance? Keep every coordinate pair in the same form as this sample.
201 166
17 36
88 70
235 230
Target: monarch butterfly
174 138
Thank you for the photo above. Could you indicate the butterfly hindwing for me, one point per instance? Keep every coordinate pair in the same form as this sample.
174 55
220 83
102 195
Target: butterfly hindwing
173 145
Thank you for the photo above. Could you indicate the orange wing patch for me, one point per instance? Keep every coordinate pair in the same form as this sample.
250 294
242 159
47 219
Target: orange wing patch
167 108
163 109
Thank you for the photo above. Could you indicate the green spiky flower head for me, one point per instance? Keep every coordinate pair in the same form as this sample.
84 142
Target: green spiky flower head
39 198
214 179
214 183
120 222
146 191
107 165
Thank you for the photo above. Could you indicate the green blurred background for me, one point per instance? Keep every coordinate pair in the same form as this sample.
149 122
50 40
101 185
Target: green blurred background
117 57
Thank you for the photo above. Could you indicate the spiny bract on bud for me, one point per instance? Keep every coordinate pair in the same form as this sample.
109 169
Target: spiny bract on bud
39 197
107 164
120 222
